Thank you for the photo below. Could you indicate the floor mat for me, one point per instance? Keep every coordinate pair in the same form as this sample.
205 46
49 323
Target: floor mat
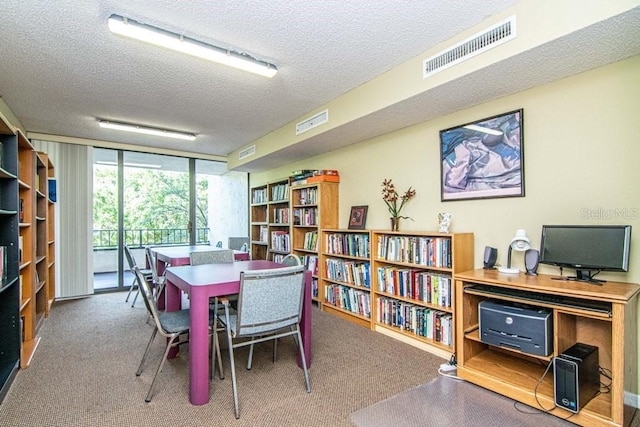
450 402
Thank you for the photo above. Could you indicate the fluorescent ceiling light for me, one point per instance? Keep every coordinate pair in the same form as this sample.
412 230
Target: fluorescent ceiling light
146 130
163 38
484 130
137 165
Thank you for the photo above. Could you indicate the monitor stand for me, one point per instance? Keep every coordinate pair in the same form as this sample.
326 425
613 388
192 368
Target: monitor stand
583 276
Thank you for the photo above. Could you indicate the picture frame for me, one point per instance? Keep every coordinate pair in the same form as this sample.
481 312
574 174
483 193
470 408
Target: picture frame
483 159
358 217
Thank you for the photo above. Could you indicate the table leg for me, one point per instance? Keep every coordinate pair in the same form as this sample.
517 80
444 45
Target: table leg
199 348
160 266
305 323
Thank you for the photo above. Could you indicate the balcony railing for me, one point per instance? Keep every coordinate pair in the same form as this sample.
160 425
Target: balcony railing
140 237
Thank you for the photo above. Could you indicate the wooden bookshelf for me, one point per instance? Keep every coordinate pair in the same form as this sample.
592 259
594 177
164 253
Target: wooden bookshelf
345 282
520 376
278 220
259 225
314 207
412 286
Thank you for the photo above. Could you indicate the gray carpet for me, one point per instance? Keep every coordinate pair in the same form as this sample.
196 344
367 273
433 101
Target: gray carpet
447 402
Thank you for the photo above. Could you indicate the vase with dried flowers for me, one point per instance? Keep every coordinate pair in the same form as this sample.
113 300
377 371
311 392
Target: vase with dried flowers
395 202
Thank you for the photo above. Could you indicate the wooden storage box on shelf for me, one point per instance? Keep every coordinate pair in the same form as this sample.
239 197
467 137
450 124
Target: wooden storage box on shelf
314 207
412 285
520 376
346 277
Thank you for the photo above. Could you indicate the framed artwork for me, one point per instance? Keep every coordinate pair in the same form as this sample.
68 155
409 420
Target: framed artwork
483 159
358 217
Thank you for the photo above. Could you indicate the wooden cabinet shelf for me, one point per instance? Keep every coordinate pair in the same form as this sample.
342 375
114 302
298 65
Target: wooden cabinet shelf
526 377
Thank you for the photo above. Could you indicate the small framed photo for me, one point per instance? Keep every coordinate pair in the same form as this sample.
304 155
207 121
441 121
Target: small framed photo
358 217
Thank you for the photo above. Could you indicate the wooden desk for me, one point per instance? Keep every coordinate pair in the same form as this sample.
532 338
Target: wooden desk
202 282
516 374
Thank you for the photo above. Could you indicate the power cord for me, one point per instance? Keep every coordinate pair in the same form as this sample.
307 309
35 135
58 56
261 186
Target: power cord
446 369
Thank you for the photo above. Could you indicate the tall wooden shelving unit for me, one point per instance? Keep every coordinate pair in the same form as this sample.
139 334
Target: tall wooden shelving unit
345 282
314 207
50 284
270 233
27 236
259 225
412 286
278 217
9 232
27 180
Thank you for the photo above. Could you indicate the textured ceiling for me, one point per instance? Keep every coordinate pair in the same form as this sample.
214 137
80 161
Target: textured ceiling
61 69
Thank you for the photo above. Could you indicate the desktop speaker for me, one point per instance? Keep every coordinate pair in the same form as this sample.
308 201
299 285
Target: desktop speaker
490 257
531 257
576 377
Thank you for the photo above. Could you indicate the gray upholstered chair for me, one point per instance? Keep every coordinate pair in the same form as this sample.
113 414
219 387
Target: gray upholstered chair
238 243
211 257
269 307
170 325
214 257
146 272
158 281
291 259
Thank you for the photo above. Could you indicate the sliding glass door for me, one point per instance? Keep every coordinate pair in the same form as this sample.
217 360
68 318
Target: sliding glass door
143 199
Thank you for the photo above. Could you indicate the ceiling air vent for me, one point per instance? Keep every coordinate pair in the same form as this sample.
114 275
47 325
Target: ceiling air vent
478 43
311 122
249 151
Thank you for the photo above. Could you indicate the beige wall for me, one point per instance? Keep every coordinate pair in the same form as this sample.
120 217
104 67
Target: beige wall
581 165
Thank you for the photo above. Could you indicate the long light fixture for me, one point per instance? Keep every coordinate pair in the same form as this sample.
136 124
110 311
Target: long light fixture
163 38
146 130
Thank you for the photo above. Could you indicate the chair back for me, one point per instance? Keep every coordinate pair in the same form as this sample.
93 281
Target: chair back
147 297
269 300
130 258
291 259
238 243
151 260
211 257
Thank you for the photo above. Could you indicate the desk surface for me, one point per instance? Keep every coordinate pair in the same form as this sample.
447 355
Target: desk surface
179 255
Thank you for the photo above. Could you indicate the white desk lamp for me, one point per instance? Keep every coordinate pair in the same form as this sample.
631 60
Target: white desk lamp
520 243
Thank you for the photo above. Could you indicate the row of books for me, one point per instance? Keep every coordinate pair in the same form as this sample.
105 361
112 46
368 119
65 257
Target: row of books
280 192
356 273
264 234
259 195
349 299
424 322
310 241
307 196
305 216
420 285
280 216
428 251
311 263
347 244
280 241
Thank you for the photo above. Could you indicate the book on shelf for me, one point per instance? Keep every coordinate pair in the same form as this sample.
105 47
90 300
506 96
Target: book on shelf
264 233
21 210
53 194
20 245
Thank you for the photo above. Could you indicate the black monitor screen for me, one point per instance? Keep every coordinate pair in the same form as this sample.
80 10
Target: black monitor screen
586 247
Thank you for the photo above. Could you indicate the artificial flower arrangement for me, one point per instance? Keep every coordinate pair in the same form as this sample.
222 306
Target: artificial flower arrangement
394 201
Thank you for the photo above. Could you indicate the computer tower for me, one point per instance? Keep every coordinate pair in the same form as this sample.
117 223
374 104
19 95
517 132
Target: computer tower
576 377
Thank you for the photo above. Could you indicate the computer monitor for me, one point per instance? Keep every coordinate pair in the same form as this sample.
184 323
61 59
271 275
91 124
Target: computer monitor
588 249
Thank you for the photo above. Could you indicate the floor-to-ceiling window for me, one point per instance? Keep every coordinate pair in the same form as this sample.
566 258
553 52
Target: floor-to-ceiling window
143 199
